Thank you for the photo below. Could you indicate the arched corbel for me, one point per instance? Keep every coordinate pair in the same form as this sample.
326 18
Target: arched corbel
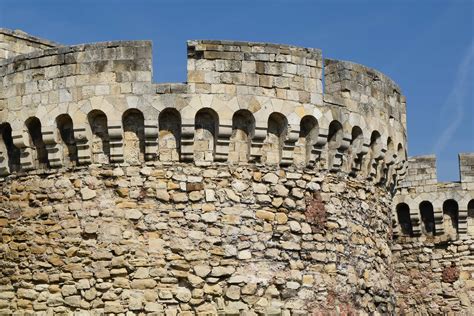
187 139
151 139
50 138
376 166
462 218
257 142
115 141
21 141
318 152
400 170
396 227
4 168
415 218
338 159
289 145
438 216
358 156
382 167
224 133
389 170
82 138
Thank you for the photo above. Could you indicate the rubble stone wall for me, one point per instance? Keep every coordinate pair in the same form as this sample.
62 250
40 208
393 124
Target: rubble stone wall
182 238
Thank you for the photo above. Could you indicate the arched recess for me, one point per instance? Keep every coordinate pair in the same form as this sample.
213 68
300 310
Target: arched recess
335 135
390 149
169 138
100 145
307 138
401 155
470 217
355 151
33 125
450 218
427 218
403 215
133 137
9 153
206 124
68 143
276 135
243 127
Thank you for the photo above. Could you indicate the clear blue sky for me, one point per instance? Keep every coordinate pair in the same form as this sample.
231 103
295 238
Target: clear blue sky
426 46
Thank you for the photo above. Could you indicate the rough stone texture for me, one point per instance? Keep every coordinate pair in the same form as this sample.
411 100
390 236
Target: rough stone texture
13 43
245 190
97 254
434 229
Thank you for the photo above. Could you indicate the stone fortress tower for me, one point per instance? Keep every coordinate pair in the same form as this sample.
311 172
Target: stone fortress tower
247 190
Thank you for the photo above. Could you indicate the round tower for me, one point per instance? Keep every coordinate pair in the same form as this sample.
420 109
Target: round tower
250 189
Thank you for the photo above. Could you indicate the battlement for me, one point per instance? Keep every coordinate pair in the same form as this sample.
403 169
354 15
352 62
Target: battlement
424 206
13 43
421 170
243 103
363 90
466 167
263 69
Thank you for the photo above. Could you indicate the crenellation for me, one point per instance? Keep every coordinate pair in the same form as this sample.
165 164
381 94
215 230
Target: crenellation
13 43
466 167
362 90
245 190
441 227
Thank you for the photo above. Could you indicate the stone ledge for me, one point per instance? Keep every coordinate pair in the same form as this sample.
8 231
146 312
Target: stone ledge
25 36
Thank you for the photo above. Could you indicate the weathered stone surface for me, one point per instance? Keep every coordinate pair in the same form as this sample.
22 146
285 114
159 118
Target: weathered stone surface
152 203
202 270
183 294
88 194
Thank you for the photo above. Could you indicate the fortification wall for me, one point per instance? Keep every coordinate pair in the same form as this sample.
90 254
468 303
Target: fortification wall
175 238
57 94
246 189
13 43
434 229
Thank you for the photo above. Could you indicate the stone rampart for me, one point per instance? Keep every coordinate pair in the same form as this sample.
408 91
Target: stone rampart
247 189
193 240
226 112
434 229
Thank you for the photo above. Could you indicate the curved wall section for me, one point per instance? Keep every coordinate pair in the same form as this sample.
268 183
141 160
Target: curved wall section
13 43
246 190
225 77
363 90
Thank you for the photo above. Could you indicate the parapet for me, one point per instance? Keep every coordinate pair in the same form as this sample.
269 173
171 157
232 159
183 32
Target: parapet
287 72
13 43
425 207
242 103
363 90
466 167
421 171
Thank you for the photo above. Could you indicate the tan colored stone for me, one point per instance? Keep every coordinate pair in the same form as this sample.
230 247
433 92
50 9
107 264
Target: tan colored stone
265 215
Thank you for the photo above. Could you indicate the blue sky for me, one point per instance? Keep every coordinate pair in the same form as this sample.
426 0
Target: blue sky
426 46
